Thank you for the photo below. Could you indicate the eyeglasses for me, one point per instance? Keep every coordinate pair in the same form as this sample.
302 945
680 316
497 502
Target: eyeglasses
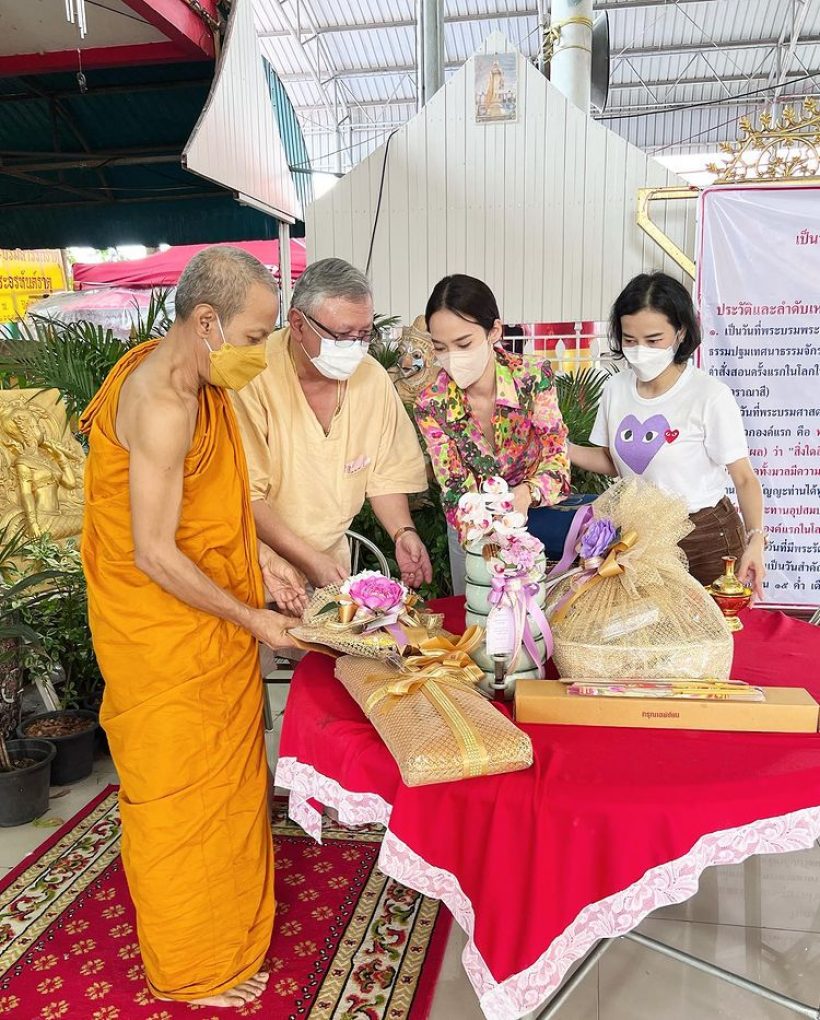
341 340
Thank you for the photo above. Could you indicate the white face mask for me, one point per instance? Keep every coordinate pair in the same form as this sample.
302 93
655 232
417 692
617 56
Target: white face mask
333 360
648 362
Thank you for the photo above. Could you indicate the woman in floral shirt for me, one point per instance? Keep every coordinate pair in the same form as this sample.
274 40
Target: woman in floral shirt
488 412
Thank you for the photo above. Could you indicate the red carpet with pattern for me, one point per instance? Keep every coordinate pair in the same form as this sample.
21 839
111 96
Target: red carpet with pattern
348 944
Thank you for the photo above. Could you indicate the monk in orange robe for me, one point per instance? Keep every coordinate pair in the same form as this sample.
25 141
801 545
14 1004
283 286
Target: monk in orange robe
175 598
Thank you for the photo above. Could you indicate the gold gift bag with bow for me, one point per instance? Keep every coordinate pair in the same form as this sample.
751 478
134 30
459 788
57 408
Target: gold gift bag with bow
431 715
636 611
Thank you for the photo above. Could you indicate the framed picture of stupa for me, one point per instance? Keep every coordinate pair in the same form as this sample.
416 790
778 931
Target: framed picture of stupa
496 88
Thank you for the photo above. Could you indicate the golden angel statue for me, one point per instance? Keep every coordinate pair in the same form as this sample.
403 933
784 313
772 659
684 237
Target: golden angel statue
41 466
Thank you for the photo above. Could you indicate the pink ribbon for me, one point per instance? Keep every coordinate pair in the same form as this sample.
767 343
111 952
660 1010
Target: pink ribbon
521 596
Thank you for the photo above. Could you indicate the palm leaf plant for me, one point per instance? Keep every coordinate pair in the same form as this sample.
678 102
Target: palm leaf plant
157 319
382 347
579 394
74 357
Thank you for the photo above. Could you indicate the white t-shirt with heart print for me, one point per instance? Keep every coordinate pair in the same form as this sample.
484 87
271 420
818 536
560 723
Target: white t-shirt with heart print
681 440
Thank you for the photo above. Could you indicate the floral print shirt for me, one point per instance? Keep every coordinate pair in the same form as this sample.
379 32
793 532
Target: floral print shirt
529 432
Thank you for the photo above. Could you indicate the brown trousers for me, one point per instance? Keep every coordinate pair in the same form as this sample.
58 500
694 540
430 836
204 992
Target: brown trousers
718 532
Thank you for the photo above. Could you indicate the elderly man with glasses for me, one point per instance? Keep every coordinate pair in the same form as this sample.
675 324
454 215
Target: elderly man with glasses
324 429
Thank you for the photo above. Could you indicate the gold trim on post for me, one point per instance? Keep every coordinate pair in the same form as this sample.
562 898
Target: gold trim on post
645 222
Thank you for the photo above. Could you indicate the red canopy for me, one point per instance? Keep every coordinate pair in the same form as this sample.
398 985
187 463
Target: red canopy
165 268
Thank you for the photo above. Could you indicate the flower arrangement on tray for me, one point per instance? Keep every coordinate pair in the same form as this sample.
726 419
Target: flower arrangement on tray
370 615
506 571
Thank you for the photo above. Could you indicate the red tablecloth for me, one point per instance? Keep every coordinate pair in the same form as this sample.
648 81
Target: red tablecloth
607 826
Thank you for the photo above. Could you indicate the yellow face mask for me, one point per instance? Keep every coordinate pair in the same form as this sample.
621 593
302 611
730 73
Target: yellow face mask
234 367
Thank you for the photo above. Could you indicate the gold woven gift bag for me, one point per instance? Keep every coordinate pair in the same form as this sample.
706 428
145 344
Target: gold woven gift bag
646 616
434 722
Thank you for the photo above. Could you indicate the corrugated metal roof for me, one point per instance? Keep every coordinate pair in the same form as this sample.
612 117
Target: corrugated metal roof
663 55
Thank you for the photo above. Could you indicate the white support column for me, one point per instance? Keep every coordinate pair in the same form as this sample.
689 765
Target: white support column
543 18
284 267
571 66
429 49
338 119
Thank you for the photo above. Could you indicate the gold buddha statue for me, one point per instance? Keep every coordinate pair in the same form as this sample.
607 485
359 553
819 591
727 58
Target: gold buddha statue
41 466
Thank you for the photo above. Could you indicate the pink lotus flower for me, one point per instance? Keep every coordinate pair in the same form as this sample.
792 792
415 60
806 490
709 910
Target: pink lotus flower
372 590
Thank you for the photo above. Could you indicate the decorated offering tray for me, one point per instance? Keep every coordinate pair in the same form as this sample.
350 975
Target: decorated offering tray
370 615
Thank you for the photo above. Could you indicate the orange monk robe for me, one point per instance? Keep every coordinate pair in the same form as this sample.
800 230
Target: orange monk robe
183 708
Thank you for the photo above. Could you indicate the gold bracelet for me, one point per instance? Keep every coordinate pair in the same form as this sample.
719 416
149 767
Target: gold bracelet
402 531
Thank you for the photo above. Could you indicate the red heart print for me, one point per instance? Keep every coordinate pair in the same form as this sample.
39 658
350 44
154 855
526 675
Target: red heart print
671 435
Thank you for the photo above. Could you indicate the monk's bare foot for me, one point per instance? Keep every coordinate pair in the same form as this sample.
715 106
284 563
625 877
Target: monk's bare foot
234 997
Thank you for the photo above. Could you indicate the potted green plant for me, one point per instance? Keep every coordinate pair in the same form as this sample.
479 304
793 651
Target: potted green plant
25 765
61 621
73 732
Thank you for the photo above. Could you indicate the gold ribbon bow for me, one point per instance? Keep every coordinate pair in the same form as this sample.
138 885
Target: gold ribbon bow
443 664
608 569
443 651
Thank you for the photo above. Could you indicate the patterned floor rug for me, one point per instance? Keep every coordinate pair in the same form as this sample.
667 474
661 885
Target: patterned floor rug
348 944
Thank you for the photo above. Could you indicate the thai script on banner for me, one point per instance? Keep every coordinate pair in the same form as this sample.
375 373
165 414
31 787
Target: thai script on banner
758 244
26 276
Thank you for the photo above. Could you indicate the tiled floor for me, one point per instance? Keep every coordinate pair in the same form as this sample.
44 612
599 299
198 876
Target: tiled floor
760 919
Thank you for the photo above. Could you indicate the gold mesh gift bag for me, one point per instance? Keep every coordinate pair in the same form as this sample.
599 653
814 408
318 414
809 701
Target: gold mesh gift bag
434 721
639 613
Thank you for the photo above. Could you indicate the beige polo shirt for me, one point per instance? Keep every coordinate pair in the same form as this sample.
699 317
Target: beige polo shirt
318 483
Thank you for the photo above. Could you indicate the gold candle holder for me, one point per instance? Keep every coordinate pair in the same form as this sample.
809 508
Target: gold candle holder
730 594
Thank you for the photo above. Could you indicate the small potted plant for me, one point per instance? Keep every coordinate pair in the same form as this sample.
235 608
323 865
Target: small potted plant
25 765
73 732
61 621
25 778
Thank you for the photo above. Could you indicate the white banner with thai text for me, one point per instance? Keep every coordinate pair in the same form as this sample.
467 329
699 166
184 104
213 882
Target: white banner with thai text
759 296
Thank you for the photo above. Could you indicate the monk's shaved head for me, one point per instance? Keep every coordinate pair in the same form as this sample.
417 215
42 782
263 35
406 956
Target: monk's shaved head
221 277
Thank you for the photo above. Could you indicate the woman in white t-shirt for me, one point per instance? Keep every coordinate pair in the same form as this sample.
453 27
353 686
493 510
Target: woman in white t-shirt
676 426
